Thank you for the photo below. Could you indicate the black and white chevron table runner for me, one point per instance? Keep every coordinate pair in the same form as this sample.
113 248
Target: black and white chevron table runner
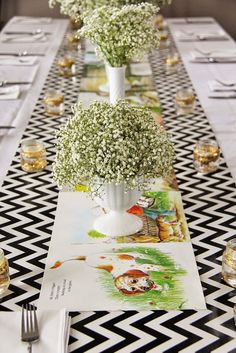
28 204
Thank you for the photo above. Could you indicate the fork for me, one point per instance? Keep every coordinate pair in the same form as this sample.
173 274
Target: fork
29 326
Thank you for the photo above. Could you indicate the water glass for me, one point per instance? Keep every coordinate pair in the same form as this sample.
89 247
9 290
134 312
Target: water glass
206 156
33 156
185 101
54 102
229 263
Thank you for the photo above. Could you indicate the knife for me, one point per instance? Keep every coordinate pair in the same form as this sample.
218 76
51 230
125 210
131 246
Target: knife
29 33
23 54
213 60
3 83
7 127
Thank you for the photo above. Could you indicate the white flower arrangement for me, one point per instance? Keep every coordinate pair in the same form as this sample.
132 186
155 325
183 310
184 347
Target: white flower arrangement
107 143
121 34
81 8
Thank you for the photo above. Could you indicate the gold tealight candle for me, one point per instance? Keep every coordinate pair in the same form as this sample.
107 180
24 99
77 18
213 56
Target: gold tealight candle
33 156
67 66
185 101
54 102
73 41
206 156
172 62
164 39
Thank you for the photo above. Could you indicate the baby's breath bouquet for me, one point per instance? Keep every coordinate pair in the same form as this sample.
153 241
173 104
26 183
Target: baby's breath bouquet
82 8
121 33
107 143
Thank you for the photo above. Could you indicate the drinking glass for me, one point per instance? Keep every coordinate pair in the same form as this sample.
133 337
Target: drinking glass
172 62
73 41
54 102
206 155
185 101
67 66
229 263
4 273
33 156
164 39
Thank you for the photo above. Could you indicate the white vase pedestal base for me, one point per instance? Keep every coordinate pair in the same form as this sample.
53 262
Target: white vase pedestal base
114 224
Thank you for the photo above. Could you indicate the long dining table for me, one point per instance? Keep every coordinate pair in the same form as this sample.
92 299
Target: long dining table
29 204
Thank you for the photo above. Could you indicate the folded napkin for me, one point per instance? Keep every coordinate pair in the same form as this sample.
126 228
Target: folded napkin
24 38
17 74
54 332
219 56
188 36
9 92
8 115
18 61
34 20
219 87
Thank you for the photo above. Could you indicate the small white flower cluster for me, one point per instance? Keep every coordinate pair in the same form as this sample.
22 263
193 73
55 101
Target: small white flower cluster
121 33
111 143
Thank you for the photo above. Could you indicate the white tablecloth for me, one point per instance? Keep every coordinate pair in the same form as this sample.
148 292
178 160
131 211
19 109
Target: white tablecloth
23 107
220 112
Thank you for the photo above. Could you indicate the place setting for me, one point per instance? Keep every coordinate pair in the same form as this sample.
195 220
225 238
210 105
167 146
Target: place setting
222 89
190 35
208 55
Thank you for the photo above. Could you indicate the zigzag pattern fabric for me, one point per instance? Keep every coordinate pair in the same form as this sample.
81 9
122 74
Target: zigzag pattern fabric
28 205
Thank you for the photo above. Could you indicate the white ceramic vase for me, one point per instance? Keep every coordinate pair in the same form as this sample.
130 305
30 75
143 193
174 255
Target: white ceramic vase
117 221
116 79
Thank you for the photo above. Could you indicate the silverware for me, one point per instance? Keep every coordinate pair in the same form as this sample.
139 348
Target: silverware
29 326
30 33
223 97
3 83
23 53
36 37
211 59
7 127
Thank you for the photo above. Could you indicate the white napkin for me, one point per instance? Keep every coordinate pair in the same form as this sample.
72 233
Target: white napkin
188 36
54 332
18 61
24 38
9 92
16 74
218 87
227 56
34 20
